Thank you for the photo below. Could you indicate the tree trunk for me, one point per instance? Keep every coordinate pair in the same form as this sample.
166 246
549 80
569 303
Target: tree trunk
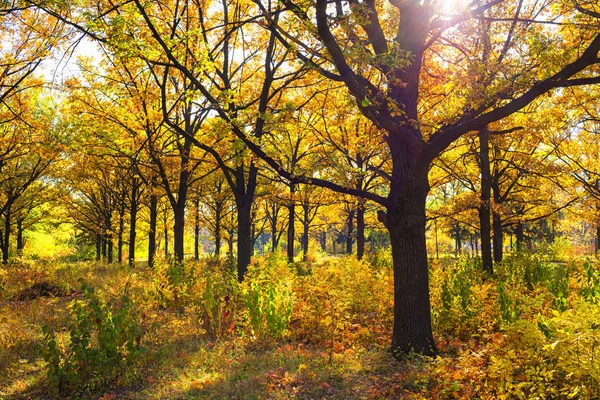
197 228
405 221
218 222
244 242
178 230
498 237
166 235
20 241
133 208
484 206
7 230
457 239
110 249
152 228
274 215
324 241
291 225
305 226
597 238
98 246
120 234
350 235
360 229
520 236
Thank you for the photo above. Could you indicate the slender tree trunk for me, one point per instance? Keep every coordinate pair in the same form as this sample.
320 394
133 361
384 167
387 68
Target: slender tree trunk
324 241
350 234
457 239
166 234
120 234
152 228
484 206
133 208
291 225
20 241
98 246
498 237
360 229
597 238
305 226
197 228
218 222
244 243
179 229
110 248
7 230
274 234
520 236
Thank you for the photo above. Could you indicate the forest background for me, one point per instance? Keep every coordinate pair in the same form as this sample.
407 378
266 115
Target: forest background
291 184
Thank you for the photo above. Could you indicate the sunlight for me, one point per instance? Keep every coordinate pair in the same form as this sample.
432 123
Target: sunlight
450 8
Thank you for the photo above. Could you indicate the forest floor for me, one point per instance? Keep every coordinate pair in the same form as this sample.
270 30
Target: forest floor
317 331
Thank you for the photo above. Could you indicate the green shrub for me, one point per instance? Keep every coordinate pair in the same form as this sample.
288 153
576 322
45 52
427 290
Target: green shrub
103 345
590 282
268 292
173 283
217 305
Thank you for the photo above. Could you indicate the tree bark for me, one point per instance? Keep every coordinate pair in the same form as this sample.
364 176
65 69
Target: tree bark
152 227
597 238
360 229
120 233
405 221
244 225
350 233
484 206
520 236
218 222
7 230
498 237
133 208
305 226
20 241
98 246
197 228
291 225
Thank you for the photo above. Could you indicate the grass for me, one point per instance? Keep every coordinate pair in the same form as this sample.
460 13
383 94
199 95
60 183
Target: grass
335 346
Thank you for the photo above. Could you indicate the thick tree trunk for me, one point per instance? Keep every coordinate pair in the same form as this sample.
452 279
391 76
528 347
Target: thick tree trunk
350 231
597 238
405 221
244 243
360 229
498 237
291 225
484 206
152 228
